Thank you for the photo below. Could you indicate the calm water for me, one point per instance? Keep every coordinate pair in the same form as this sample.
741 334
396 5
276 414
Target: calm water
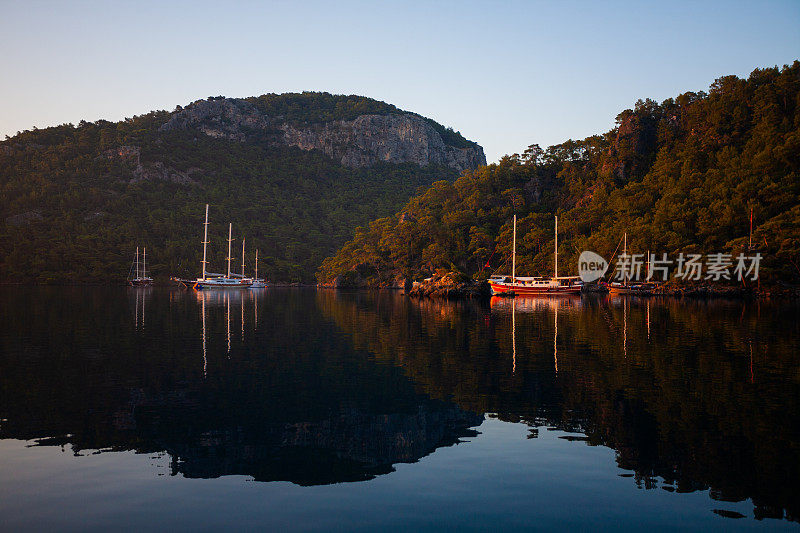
162 409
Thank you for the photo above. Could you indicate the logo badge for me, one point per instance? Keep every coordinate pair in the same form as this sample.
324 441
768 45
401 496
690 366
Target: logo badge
591 266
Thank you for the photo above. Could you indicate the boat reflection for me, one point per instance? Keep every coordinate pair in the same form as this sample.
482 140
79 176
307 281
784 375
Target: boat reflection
139 294
224 298
532 304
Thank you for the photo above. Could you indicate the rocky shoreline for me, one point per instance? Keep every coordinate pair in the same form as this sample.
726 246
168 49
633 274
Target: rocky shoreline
449 286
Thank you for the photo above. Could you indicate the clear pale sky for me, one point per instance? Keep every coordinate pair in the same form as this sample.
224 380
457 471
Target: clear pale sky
505 74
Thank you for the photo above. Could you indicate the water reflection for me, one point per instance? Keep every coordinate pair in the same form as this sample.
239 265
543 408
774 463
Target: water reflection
667 383
274 403
138 296
323 387
533 304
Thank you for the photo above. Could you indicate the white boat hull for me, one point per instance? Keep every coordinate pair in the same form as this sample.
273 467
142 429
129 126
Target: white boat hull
222 283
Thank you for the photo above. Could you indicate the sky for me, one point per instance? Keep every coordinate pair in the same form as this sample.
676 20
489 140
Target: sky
504 74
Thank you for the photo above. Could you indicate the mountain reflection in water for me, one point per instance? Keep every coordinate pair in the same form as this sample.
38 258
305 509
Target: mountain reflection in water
319 387
223 385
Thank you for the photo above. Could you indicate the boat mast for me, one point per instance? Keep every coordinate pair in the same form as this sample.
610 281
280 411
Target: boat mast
514 252
243 257
144 263
230 240
137 262
625 253
256 263
205 242
556 252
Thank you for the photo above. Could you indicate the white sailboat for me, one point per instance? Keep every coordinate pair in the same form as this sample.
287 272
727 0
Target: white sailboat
616 287
216 281
138 277
534 285
625 286
219 281
257 283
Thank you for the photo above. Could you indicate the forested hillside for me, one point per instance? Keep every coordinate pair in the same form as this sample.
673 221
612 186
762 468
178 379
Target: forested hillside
679 176
75 201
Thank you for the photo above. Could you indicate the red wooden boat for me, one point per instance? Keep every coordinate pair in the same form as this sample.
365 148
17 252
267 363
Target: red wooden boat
519 286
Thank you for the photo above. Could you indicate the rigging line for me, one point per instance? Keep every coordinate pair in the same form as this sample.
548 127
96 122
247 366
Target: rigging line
501 266
495 248
795 265
488 260
612 257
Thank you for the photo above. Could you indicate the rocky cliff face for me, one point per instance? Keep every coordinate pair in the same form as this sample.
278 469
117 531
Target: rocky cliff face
364 141
228 118
383 138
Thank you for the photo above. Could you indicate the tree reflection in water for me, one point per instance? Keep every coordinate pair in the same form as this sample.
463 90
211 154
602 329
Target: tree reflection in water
669 384
277 404
325 386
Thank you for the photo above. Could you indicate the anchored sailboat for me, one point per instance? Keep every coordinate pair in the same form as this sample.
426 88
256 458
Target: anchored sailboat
534 285
257 282
138 277
217 281
637 287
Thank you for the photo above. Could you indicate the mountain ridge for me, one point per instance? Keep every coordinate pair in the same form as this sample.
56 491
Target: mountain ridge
378 134
75 201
